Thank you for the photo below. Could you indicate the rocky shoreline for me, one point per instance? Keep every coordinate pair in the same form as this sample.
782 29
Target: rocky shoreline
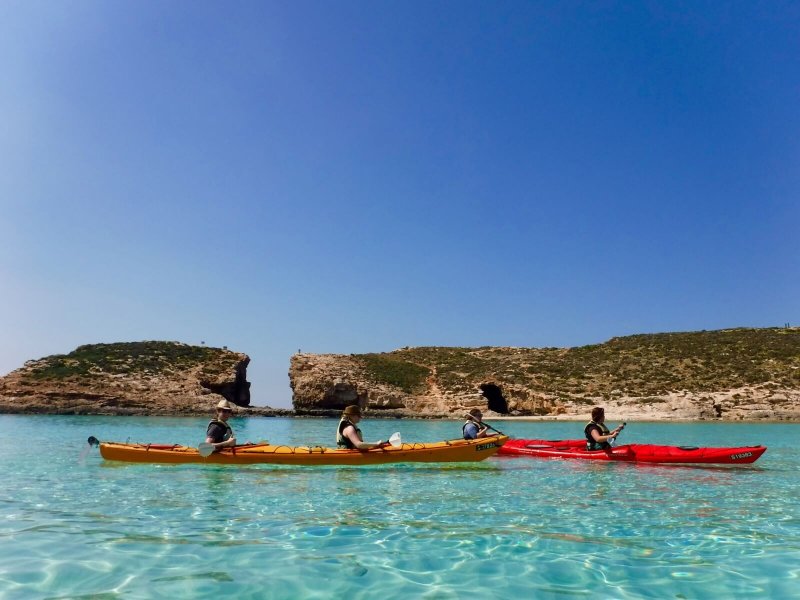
683 410
726 375
616 411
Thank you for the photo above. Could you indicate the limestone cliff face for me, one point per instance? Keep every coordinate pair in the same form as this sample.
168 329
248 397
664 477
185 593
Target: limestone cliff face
326 383
141 378
728 374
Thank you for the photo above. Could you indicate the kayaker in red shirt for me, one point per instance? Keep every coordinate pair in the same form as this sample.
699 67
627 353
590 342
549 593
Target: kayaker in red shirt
598 437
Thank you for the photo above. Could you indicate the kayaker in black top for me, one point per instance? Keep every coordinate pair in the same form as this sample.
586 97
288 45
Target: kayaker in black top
597 434
348 435
219 433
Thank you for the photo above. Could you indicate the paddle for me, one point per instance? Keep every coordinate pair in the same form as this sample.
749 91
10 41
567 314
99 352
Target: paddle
394 440
621 427
205 449
90 443
484 423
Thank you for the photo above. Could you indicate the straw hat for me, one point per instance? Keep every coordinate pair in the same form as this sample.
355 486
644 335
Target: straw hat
353 410
224 404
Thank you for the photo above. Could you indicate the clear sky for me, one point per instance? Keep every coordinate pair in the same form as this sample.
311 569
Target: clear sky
356 177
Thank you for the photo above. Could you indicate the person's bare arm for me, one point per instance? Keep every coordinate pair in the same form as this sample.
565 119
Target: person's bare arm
599 438
350 433
217 445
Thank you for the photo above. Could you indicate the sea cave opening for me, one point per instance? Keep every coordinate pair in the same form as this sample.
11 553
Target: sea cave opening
494 398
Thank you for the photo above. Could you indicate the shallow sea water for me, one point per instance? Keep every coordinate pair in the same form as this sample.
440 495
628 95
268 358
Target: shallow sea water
75 526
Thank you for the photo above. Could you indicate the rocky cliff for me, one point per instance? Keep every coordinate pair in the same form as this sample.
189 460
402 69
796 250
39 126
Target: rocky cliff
729 374
142 378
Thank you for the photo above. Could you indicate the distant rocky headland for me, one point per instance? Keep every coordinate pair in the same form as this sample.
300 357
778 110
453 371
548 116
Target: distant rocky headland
732 374
132 378
728 375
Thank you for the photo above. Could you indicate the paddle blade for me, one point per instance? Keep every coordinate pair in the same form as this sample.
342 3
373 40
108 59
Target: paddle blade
394 440
205 449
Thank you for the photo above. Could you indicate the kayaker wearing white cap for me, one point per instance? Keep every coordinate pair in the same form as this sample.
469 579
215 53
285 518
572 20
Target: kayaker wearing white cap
348 435
219 433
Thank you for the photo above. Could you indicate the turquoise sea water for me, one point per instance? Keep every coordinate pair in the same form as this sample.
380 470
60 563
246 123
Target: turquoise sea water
73 525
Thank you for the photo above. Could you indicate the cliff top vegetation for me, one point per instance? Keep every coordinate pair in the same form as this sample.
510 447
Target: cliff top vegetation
636 365
126 358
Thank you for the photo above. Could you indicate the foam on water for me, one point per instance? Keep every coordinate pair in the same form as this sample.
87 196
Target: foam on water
511 527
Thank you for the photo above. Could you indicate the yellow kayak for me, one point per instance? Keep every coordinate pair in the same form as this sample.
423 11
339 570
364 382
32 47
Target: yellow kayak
446 451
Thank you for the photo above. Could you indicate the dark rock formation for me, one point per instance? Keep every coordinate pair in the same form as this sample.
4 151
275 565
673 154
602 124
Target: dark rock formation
236 391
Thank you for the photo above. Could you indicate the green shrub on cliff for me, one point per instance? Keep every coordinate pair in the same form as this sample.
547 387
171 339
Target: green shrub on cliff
645 365
151 358
391 370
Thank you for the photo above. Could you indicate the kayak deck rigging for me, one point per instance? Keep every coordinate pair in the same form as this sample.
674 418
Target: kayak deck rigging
264 453
649 453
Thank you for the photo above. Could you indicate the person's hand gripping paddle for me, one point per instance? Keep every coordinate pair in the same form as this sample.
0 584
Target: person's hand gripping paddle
394 441
484 423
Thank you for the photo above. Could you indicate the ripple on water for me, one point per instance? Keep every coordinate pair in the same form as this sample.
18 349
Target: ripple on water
516 527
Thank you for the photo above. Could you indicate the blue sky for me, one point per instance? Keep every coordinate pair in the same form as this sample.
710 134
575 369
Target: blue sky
355 177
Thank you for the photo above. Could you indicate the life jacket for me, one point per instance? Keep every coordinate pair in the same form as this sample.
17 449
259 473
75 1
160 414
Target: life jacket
341 440
464 428
228 431
591 444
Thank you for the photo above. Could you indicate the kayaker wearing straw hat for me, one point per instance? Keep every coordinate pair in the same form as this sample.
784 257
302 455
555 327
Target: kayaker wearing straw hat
219 433
348 435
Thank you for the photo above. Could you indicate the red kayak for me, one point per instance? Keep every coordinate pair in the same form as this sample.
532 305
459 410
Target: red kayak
649 453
